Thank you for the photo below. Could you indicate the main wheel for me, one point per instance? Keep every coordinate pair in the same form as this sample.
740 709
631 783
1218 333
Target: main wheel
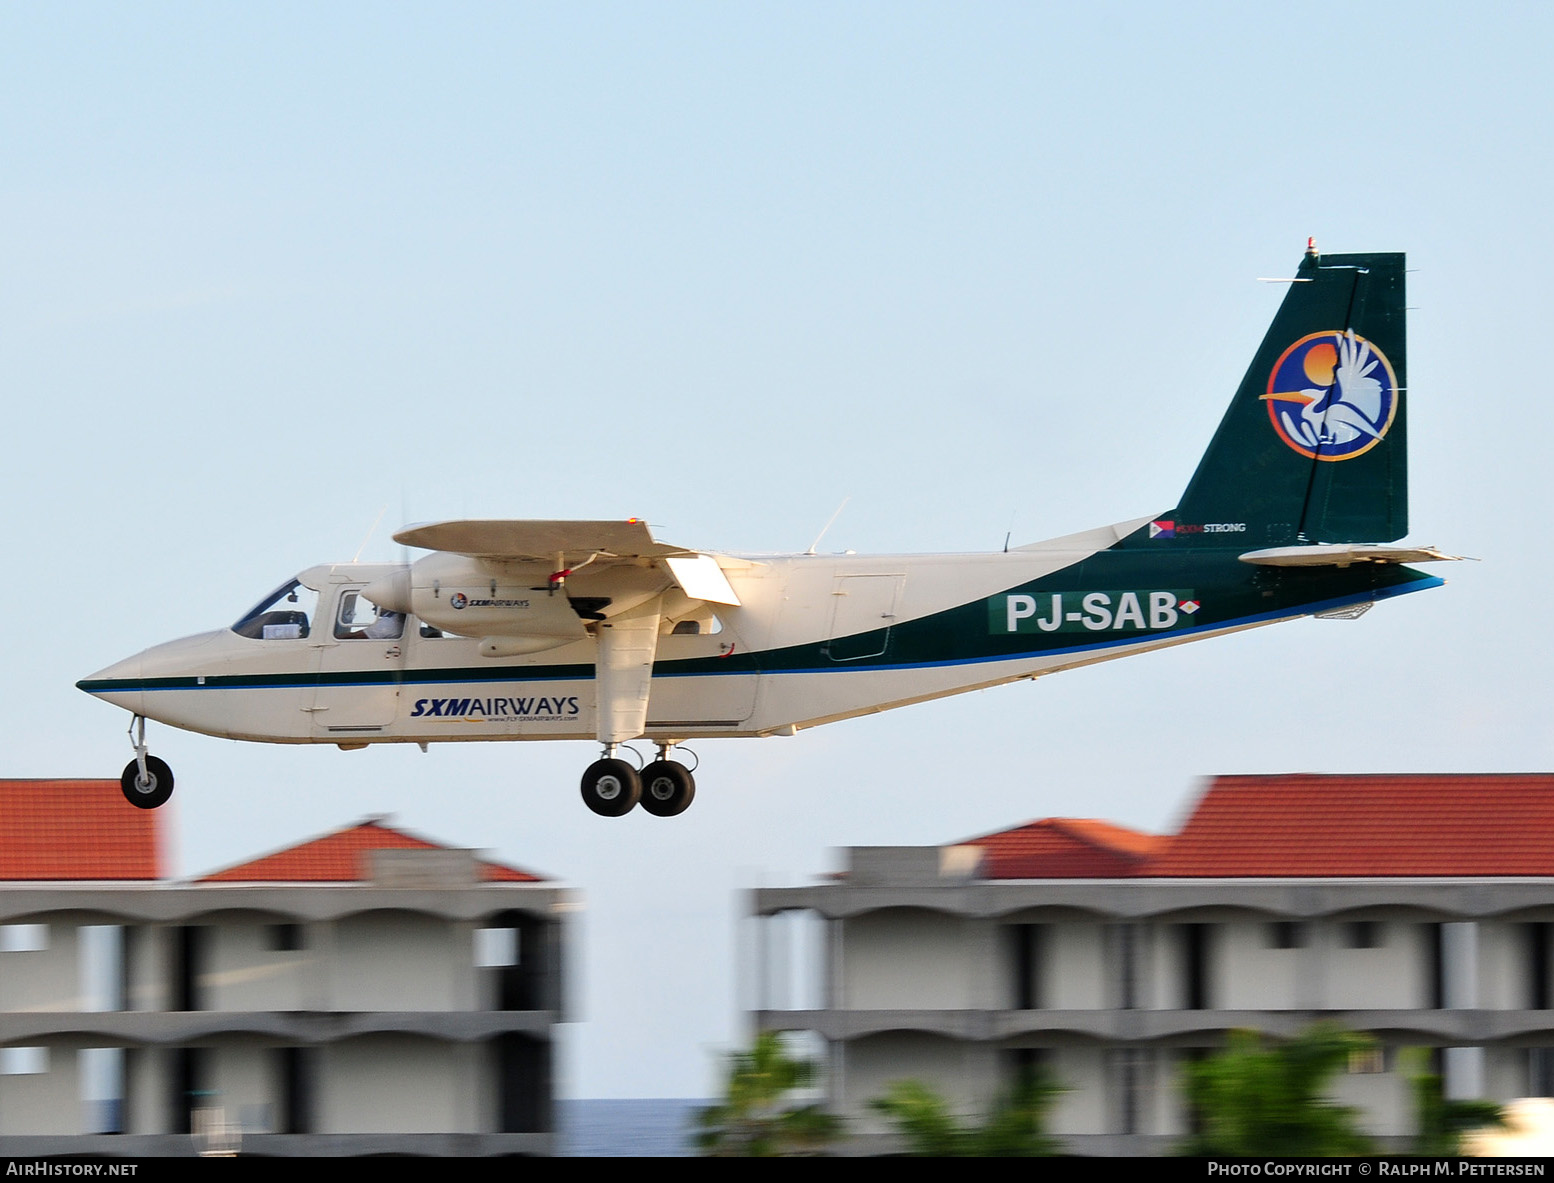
668 788
154 790
611 787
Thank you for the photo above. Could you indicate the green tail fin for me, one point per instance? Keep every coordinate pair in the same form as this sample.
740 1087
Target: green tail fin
1314 446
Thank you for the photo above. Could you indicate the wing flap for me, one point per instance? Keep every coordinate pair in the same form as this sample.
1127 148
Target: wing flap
700 577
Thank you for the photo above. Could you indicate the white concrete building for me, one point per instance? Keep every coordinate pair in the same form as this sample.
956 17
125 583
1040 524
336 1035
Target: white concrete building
364 992
1417 908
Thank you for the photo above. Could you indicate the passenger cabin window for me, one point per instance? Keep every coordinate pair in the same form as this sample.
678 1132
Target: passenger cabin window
359 619
697 626
284 615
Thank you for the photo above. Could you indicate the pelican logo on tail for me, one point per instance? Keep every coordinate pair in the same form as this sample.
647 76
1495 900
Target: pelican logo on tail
1332 395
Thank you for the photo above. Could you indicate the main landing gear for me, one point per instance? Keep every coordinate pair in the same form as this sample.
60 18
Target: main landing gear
612 787
147 782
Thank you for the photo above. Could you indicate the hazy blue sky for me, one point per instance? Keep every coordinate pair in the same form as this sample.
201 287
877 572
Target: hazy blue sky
981 268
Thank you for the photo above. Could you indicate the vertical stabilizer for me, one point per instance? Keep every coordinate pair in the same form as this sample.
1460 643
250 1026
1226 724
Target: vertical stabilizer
1314 446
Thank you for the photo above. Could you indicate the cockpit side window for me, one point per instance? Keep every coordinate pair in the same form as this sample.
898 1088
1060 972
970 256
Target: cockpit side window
284 615
360 619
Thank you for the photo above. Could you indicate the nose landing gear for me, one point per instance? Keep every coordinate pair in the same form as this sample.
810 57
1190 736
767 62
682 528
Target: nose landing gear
147 782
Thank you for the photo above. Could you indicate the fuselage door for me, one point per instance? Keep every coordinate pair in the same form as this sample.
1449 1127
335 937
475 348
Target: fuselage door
862 615
361 662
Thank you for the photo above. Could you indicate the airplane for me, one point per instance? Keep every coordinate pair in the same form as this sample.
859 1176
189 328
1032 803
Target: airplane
576 630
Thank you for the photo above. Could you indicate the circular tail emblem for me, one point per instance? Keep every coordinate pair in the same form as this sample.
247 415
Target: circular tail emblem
1332 395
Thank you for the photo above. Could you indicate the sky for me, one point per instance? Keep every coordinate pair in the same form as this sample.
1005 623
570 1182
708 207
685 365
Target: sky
979 270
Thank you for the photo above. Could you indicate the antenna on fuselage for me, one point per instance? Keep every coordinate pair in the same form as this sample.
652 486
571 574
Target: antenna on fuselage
829 522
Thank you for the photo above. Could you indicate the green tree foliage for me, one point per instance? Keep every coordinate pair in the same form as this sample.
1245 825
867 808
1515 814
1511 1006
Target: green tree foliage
1257 1099
1015 1129
1440 1123
755 1119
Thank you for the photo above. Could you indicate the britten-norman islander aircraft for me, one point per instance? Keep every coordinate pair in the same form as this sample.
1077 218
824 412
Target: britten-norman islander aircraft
576 629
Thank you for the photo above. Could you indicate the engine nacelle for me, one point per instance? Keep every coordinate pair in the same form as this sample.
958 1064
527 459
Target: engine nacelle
472 598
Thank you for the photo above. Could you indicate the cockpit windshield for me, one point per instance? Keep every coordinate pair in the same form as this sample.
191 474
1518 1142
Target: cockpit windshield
284 615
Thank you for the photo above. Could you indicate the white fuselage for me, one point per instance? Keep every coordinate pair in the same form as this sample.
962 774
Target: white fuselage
353 689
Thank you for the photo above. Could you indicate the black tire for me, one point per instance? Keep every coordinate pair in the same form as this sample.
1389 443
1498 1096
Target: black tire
668 788
611 787
153 794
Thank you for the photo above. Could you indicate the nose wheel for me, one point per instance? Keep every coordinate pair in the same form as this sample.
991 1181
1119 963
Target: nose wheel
147 782
148 789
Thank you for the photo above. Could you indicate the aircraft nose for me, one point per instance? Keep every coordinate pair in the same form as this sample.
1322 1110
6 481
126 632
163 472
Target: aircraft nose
119 683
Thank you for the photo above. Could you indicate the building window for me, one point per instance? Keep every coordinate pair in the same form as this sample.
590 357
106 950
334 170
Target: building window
1287 934
284 938
1196 953
24 1061
1125 947
1540 1072
1362 934
1538 968
1025 955
102 1079
101 949
1131 1074
24 938
496 947
296 1069
1367 1061
1023 1067
1435 946
189 944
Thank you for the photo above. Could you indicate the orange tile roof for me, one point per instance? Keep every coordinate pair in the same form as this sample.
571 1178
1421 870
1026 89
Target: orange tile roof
1065 848
339 858
75 829
1307 826
1408 825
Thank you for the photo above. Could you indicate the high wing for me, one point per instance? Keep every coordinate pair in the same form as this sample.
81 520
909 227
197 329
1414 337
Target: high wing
519 540
573 542
529 586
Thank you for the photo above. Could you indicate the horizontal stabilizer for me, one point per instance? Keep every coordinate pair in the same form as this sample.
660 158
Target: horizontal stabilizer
538 539
1344 554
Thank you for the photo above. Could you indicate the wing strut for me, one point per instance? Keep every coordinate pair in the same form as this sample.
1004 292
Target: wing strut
624 669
